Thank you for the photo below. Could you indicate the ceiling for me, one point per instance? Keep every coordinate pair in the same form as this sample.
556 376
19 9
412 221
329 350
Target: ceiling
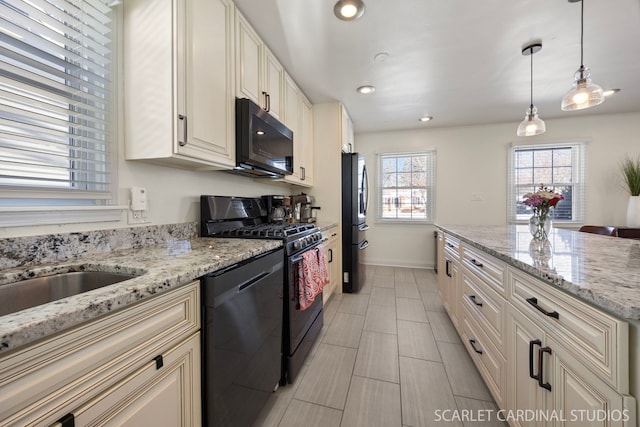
459 61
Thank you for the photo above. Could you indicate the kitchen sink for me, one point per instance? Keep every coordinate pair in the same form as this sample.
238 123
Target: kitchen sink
41 290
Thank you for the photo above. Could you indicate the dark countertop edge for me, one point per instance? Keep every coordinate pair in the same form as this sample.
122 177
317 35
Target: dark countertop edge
599 301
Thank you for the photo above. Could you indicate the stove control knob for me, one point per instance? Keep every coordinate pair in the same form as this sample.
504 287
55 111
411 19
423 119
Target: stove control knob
297 245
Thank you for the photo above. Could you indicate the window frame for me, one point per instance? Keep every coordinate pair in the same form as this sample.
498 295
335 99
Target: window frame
35 211
578 181
431 189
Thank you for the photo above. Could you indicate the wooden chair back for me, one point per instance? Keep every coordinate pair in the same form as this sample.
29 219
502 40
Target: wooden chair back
599 229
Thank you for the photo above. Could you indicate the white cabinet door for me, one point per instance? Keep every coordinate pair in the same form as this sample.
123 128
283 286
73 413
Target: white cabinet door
273 88
348 145
206 99
178 81
306 124
260 77
524 339
249 58
154 395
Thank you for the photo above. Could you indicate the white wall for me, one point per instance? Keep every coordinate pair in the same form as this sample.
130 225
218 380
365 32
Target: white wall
473 161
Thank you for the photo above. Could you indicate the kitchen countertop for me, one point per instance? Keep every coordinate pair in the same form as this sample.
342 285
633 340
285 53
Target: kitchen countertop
601 270
162 267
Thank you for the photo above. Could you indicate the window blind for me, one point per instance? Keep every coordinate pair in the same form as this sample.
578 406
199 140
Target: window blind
56 97
406 186
560 167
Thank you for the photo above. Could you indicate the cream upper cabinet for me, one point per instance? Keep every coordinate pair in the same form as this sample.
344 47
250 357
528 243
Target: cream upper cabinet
178 82
260 77
348 140
298 116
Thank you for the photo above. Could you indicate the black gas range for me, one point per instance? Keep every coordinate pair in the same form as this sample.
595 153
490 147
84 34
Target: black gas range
247 218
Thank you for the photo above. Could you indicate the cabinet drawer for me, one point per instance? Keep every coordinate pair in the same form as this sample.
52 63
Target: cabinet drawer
452 247
39 383
486 306
486 356
598 339
486 267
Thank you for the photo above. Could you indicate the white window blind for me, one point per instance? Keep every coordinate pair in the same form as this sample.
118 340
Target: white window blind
406 186
57 132
560 167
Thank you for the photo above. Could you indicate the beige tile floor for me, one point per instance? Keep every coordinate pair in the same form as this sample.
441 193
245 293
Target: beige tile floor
387 356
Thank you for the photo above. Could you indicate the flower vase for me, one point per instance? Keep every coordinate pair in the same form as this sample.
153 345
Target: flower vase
633 212
539 226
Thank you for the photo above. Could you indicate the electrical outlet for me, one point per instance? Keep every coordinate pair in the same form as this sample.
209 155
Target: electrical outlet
137 213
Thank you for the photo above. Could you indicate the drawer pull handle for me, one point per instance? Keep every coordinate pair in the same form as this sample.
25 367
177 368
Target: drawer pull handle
531 345
451 245
473 345
476 263
473 300
534 302
541 352
159 361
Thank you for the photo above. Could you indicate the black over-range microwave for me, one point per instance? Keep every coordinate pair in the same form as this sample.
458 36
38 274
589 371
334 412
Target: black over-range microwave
264 146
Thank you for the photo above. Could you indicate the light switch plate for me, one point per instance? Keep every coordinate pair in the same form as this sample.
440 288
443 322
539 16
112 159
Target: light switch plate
138 199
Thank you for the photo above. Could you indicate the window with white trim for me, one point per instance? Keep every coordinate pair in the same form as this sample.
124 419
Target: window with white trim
57 116
560 167
406 186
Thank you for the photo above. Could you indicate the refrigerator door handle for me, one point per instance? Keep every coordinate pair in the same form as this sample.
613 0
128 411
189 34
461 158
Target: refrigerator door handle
363 245
365 185
363 227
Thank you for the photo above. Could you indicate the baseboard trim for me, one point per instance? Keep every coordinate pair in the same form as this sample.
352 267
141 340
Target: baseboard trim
398 263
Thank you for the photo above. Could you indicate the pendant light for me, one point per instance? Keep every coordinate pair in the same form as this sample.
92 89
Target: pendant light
532 124
584 93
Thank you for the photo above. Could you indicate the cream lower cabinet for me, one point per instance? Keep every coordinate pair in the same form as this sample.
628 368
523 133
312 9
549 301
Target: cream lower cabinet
548 382
333 248
548 358
179 83
134 367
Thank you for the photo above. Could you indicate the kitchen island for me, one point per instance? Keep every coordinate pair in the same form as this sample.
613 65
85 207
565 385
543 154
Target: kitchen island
552 327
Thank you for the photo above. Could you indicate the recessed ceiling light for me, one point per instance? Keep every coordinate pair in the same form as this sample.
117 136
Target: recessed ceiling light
425 119
610 92
349 10
366 89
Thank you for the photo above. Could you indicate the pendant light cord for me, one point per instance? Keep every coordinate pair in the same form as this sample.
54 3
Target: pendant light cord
531 76
581 33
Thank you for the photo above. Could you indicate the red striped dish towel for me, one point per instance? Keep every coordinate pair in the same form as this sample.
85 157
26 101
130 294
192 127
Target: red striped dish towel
313 275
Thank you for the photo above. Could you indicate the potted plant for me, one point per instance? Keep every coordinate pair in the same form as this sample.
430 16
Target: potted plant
630 169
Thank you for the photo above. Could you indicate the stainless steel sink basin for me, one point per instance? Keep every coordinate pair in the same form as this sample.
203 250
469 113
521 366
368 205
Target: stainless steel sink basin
41 290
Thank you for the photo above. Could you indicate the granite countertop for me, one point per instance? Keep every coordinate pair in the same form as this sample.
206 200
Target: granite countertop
160 267
601 270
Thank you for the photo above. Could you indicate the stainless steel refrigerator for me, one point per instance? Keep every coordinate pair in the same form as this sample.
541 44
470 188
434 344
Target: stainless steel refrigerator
355 200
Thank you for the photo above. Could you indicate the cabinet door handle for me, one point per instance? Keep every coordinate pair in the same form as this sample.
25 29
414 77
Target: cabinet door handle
268 102
534 302
473 300
159 361
303 173
541 352
476 263
473 345
531 345
446 267
330 255
184 130
68 420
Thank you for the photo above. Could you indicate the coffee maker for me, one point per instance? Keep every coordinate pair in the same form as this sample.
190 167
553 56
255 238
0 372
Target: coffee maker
278 208
303 208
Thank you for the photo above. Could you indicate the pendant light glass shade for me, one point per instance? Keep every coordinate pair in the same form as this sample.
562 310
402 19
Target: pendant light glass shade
532 124
583 93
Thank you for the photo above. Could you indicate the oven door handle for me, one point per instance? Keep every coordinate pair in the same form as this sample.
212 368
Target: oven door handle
298 258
